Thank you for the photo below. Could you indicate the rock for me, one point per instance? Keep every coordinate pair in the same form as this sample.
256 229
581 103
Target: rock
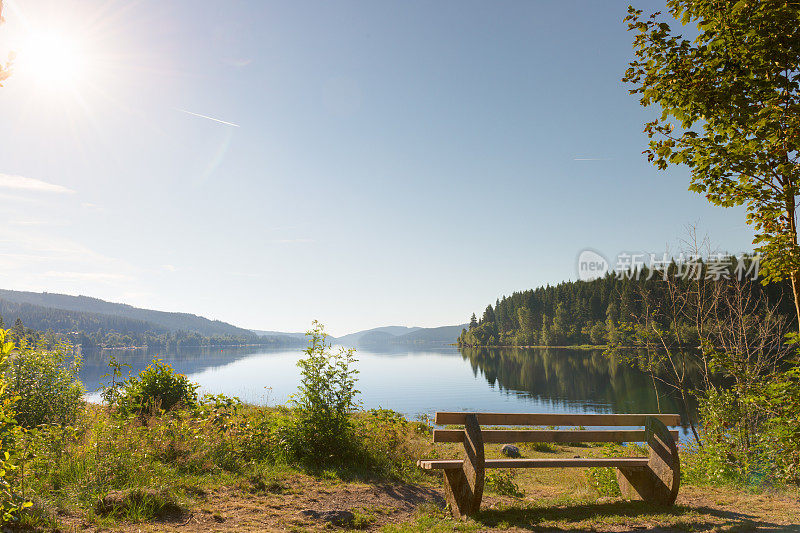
337 518
509 450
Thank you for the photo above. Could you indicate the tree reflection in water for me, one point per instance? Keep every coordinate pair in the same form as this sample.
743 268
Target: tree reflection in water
579 377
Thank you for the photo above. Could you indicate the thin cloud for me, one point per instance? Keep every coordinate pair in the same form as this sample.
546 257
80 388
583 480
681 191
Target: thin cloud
21 183
207 117
170 268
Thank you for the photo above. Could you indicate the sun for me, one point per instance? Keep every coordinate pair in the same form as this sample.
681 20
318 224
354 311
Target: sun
52 60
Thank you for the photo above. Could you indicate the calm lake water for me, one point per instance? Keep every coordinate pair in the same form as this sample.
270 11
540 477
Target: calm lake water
425 381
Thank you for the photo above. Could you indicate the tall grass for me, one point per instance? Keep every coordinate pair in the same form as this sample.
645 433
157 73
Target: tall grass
157 447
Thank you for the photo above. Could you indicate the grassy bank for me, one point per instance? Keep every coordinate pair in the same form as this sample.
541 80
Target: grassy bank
221 468
222 465
156 456
109 469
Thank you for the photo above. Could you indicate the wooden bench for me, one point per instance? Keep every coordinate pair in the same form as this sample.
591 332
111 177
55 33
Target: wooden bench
655 478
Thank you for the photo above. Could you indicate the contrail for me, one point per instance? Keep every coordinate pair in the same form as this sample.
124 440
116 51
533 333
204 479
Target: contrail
591 159
209 118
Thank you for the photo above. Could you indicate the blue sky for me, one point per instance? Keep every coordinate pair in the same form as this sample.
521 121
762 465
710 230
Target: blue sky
384 162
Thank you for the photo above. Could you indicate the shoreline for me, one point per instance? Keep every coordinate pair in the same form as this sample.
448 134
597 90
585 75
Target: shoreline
586 347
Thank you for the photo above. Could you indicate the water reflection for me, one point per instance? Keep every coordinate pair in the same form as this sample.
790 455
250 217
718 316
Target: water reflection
415 381
186 361
585 376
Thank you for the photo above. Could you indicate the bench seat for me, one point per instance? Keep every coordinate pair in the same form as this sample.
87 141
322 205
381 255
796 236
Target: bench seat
505 436
655 479
617 462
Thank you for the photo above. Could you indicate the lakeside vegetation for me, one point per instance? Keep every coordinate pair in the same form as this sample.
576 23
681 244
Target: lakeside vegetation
156 450
597 312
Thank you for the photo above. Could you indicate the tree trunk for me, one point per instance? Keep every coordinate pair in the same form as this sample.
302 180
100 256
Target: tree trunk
795 275
689 417
795 272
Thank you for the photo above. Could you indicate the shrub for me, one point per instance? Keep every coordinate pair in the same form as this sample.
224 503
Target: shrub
750 437
502 482
543 447
389 445
10 503
46 385
156 387
321 431
137 505
111 390
781 437
604 479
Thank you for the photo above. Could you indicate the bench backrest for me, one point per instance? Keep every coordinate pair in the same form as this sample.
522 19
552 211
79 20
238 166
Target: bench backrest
655 478
551 419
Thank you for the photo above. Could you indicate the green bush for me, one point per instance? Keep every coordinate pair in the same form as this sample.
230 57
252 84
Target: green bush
321 432
10 502
46 385
750 437
389 445
157 387
604 481
502 482
781 437
137 505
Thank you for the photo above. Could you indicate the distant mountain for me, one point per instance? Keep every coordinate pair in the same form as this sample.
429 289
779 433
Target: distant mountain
99 323
168 321
402 336
353 339
440 335
42 318
374 338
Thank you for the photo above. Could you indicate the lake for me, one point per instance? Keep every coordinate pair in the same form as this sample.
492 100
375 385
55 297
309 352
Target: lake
422 381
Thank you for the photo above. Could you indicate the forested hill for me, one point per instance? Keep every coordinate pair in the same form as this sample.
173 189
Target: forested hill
172 322
41 318
91 322
584 312
402 336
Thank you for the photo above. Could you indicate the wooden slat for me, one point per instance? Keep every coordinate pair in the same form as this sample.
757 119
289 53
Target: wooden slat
522 435
556 419
628 462
567 463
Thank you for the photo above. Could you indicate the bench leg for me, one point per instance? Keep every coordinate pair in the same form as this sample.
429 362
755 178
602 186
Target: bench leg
463 487
659 481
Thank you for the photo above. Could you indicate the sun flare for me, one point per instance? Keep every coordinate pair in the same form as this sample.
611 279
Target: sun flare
53 60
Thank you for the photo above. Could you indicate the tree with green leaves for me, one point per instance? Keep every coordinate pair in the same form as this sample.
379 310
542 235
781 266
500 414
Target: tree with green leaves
18 330
322 431
488 315
730 111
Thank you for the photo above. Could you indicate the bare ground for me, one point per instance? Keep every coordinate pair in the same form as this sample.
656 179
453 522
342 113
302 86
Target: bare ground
296 505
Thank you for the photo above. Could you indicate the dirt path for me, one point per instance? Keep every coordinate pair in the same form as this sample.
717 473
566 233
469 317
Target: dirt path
300 504
303 503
